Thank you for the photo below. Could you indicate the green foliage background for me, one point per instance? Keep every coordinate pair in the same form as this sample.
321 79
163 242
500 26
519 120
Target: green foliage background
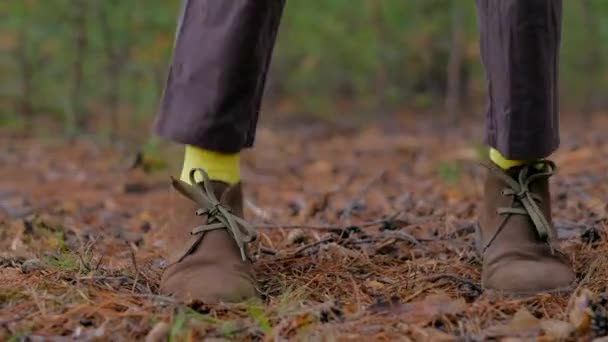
100 64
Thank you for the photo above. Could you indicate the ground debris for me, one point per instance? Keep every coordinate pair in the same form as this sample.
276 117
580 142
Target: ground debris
358 238
420 312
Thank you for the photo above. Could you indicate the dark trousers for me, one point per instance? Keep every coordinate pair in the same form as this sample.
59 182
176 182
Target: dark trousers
223 48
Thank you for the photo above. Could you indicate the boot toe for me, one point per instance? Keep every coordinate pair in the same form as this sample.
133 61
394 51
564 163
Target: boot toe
210 284
529 277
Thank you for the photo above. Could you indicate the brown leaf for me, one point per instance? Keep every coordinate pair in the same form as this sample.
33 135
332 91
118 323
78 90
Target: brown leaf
374 285
579 313
295 236
523 319
523 324
556 329
430 334
159 333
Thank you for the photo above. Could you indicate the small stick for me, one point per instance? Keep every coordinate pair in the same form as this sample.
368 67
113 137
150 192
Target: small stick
99 262
328 226
134 261
310 245
403 236
455 277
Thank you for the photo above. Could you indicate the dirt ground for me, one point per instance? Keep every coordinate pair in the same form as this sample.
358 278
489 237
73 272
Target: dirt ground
365 234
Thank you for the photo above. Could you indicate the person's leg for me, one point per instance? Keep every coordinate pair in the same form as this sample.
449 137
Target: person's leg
216 80
519 49
210 104
216 77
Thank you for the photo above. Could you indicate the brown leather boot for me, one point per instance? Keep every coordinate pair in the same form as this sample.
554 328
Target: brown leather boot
517 237
207 245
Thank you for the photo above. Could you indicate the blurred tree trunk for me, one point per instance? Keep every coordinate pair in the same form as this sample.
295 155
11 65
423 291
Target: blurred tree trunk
26 70
81 44
593 57
454 74
116 57
381 77
112 67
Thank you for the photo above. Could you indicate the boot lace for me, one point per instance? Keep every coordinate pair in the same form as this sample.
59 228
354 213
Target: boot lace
218 215
524 201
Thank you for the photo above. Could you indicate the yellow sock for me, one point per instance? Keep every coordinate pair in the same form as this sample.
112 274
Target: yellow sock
503 162
223 167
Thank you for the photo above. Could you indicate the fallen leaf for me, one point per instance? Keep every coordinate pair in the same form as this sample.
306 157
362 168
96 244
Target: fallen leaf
144 216
351 309
523 319
302 320
597 205
336 252
579 313
295 237
374 285
321 167
430 334
556 329
159 333
523 324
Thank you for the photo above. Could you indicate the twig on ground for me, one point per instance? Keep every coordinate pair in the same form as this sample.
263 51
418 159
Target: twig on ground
295 226
39 304
90 245
83 265
466 229
257 211
99 262
104 278
328 226
455 277
418 293
270 251
403 236
134 261
310 245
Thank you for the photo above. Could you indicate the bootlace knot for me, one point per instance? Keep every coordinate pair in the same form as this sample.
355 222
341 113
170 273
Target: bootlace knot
218 215
211 212
523 192
525 202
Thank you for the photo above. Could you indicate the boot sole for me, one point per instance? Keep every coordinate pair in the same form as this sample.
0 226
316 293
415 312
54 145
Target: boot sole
516 294
526 294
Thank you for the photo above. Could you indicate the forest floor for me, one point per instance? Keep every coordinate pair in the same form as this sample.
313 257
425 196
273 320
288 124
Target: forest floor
365 234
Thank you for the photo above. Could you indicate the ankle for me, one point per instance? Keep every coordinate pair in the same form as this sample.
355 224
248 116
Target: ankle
499 160
224 167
